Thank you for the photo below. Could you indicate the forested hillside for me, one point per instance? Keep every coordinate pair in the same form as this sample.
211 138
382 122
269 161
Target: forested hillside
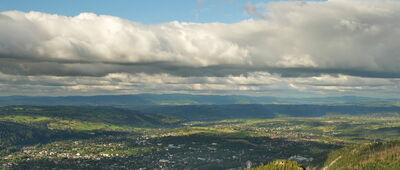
372 156
280 165
261 111
30 125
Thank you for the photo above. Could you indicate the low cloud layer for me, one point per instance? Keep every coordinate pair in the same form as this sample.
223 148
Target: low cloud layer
292 41
256 83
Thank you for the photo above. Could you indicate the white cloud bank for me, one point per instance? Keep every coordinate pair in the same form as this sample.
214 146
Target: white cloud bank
256 83
299 40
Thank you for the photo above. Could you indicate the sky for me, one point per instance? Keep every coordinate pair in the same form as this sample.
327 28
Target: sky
147 12
237 47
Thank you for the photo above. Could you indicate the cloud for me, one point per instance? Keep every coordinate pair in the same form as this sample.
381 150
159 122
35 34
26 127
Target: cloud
253 10
337 37
345 46
254 83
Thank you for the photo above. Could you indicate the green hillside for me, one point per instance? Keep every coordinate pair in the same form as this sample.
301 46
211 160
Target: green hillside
82 118
372 156
280 165
31 125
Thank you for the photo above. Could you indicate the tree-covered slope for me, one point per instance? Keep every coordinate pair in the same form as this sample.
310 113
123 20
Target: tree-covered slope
90 115
14 136
280 165
30 125
260 111
372 156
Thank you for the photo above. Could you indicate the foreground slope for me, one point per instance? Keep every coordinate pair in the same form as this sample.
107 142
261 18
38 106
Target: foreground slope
366 156
280 165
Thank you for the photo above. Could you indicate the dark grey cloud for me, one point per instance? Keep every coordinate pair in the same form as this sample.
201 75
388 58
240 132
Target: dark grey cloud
103 69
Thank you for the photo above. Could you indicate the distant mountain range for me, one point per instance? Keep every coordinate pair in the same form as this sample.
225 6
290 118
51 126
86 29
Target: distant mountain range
181 99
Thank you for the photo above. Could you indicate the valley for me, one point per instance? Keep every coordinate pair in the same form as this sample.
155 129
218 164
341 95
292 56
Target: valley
79 137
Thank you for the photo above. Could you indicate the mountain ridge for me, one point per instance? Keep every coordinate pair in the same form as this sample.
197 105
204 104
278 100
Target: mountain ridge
183 99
